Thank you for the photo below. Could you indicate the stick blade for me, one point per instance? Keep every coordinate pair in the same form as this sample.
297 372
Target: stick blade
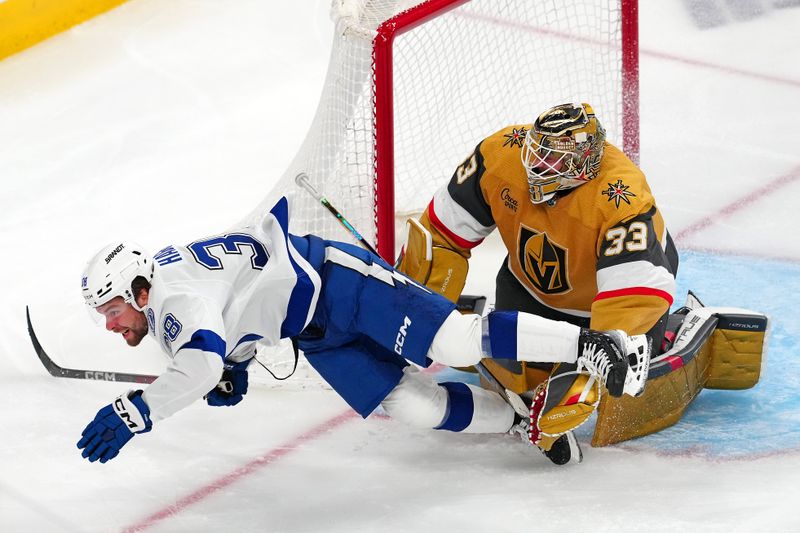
61 372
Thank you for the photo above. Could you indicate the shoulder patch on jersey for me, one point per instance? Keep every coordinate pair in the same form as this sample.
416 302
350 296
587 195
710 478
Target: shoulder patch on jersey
515 137
151 320
618 192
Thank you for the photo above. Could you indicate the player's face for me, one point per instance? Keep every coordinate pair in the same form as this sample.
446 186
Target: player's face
548 162
122 318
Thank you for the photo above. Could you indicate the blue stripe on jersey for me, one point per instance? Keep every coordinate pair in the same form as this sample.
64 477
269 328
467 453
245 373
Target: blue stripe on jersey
281 213
300 301
207 341
503 334
304 292
460 407
250 337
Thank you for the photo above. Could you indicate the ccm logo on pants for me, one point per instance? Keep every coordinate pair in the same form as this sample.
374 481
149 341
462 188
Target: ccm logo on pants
401 336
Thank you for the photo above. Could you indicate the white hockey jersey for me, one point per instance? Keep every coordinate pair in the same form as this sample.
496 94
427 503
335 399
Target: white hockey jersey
213 299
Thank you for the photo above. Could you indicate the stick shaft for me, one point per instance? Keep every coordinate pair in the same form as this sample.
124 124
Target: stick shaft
302 181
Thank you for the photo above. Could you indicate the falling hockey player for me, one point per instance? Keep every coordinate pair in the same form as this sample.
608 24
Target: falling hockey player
357 320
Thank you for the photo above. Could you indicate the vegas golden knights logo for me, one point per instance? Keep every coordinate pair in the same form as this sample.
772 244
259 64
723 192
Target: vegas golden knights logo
543 261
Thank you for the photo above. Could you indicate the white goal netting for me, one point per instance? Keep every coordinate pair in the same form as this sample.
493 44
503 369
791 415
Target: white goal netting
413 86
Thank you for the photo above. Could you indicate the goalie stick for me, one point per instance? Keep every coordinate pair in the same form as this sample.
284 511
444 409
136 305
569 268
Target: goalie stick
61 372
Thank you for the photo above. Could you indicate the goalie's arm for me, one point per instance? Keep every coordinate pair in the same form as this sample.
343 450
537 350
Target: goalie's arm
635 275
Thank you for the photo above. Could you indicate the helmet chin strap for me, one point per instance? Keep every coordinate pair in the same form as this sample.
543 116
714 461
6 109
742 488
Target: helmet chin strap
130 299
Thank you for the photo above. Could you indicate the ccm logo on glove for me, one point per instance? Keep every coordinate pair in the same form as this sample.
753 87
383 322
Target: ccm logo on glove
129 414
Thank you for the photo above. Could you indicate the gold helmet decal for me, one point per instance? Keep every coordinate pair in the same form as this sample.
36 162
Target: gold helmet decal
562 150
543 262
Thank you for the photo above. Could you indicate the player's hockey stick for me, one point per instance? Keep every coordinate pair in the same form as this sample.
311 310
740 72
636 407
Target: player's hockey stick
302 180
61 372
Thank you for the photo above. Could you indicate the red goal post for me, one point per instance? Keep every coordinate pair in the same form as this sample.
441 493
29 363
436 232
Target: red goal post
413 86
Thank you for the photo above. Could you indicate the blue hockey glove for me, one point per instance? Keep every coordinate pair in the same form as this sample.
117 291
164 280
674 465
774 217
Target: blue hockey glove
232 387
114 425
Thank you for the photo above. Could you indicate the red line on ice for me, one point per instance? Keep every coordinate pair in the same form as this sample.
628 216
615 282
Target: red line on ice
721 68
241 472
642 51
253 466
737 205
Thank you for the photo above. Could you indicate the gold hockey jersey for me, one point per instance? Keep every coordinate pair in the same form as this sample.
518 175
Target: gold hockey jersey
601 250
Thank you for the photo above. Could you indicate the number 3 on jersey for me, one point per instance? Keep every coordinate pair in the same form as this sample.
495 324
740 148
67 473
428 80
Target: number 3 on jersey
467 169
207 251
633 238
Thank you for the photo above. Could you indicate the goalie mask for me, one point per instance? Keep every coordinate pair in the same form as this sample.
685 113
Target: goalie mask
562 150
111 272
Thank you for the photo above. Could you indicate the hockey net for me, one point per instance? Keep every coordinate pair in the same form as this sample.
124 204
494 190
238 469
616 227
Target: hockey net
413 86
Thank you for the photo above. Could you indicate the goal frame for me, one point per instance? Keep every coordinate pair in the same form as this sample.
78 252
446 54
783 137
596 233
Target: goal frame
383 87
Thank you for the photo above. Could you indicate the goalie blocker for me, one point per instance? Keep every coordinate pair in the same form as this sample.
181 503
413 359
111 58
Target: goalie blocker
450 272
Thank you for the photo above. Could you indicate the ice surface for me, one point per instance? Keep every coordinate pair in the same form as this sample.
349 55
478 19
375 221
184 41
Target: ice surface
165 121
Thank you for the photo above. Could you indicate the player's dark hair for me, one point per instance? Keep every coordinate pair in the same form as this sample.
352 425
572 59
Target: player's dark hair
138 284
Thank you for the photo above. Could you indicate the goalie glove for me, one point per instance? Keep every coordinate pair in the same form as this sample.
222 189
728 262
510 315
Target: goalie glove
113 426
561 404
560 450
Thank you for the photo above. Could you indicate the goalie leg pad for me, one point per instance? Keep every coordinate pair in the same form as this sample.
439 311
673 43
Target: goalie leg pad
417 253
737 350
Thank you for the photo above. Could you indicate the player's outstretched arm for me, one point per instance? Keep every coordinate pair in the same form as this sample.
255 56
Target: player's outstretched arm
114 425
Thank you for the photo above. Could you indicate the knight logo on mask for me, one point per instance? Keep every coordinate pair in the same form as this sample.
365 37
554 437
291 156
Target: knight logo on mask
401 336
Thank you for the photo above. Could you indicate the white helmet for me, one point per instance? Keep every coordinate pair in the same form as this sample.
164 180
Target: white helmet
112 270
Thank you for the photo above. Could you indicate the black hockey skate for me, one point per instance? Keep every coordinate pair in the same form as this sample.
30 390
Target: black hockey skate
565 450
620 361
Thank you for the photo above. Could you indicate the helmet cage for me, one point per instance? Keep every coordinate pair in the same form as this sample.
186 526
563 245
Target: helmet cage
562 150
